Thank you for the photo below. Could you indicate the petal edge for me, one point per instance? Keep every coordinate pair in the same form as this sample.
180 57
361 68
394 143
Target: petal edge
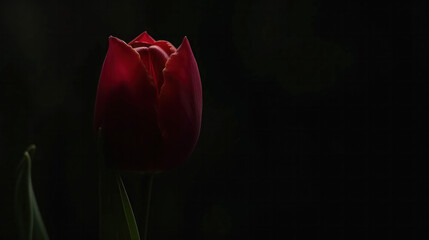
143 38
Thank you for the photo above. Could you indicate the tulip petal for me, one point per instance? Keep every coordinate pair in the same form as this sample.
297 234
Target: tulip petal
154 59
180 106
125 109
166 46
142 38
145 58
158 59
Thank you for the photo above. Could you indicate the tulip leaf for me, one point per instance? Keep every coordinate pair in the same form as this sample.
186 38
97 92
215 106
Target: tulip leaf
116 217
128 211
29 220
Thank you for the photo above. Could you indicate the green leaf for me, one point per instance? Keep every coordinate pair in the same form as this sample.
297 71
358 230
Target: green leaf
116 216
29 220
128 211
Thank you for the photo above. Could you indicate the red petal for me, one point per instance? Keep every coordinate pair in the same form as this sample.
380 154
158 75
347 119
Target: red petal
143 38
166 46
145 58
158 58
180 106
154 59
125 108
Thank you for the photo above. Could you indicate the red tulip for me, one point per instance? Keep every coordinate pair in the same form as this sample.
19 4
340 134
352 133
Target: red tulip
149 103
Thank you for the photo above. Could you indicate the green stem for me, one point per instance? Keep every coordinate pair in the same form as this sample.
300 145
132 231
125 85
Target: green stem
148 205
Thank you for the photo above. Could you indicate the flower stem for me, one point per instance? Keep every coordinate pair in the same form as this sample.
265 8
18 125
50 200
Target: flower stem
149 193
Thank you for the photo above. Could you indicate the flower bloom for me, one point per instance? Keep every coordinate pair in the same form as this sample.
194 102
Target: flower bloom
149 103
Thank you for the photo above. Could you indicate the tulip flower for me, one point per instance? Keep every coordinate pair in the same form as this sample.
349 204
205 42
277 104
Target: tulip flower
148 104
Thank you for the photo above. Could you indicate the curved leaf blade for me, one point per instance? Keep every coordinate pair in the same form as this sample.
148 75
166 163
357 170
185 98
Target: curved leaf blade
29 220
128 211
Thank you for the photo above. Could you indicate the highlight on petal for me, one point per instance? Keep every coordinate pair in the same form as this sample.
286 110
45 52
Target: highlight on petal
142 38
180 106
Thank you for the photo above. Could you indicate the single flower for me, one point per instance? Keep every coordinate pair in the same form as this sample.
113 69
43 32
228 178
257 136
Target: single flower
149 103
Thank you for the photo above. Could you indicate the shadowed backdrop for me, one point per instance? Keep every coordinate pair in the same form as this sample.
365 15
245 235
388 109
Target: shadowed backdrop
311 117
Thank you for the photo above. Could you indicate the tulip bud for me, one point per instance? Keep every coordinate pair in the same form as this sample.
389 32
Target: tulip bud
149 103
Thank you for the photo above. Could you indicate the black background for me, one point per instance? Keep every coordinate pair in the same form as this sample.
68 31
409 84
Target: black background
312 120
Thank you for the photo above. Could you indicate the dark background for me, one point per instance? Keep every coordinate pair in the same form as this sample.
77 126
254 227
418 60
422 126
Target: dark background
312 120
